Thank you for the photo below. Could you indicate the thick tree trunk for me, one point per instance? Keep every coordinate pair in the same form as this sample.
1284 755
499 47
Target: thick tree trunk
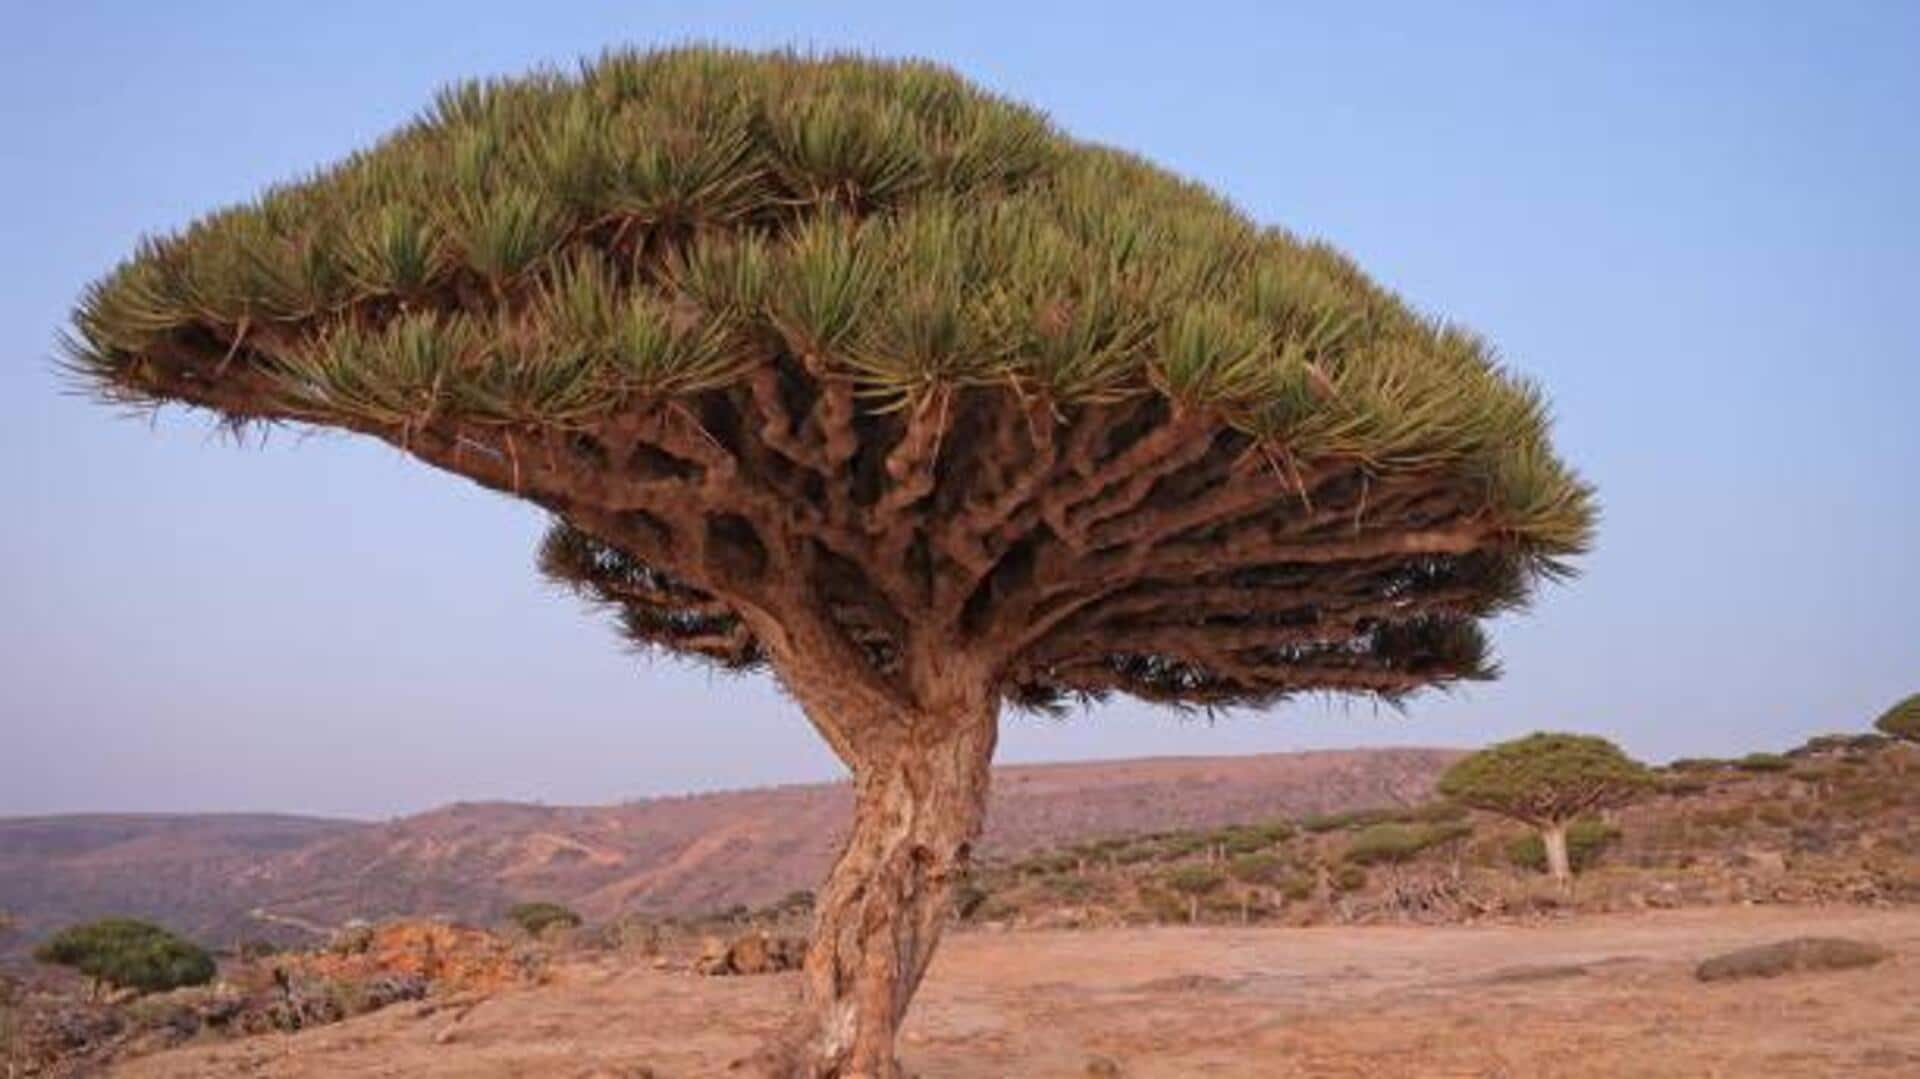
1554 838
920 796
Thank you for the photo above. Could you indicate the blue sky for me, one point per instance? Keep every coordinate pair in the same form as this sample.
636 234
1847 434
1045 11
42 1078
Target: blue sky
1695 224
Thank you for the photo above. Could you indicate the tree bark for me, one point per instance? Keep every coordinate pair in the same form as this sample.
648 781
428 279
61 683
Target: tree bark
1554 838
920 795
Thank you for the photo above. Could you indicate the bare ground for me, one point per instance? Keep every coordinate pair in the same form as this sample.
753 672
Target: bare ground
1604 996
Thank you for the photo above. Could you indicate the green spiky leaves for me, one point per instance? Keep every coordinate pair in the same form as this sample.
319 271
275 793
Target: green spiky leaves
885 223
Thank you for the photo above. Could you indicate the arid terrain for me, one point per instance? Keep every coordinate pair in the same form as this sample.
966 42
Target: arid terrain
1409 938
1593 997
206 875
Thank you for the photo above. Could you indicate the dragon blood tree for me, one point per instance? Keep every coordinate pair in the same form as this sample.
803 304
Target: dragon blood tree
1548 781
1902 720
848 370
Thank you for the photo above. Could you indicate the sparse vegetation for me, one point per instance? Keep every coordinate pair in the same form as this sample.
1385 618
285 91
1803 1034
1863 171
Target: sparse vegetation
1763 762
127 953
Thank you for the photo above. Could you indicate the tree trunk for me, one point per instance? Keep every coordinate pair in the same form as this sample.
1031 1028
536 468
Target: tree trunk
1554 838
920 795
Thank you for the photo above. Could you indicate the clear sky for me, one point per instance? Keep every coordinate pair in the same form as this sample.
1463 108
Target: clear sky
1696 224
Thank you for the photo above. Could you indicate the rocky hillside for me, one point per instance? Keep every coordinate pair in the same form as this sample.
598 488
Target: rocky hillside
1836 821
224 878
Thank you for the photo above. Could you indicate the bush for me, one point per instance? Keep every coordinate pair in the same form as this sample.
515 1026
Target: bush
1696 764
1587 840
1349 878
1043 864
538 917
1194 879
1763 762
1298 888
1181 845
1239 840
1390 844
1901 721
129 954
1442 812
1071 887
1278 831
1259 868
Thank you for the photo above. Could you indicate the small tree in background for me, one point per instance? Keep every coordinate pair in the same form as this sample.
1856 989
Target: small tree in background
1195 881
849 371
129 954
1547 781
1902 721
539 916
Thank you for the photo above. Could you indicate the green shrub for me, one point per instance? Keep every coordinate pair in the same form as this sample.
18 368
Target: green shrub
129 954
539 916
1349 878
1180 845
1145 852
1239 840
1697 764
1070 887
1259 868
1043 864
1299 888
1390 844
1322 823
1440 812
1901 721
1278 831
1763 762
1587 840
1194 879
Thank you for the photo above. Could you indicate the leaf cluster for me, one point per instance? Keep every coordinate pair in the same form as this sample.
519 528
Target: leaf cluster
549 249
538 916
1392 844
1901 721
1546 778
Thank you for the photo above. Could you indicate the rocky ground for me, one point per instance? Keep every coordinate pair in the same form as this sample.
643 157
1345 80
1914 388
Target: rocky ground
1592 996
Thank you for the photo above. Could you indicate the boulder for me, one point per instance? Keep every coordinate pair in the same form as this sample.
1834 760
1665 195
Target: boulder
752 952
1790 956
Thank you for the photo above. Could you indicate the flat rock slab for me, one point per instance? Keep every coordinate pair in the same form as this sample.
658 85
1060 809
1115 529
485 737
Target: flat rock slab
1791 956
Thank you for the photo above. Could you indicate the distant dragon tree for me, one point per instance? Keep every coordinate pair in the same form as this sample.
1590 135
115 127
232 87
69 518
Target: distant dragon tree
848 370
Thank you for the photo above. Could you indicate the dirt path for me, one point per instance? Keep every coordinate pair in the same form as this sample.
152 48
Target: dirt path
1379 1002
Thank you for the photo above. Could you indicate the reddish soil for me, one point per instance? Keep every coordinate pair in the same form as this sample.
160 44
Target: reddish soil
1593 997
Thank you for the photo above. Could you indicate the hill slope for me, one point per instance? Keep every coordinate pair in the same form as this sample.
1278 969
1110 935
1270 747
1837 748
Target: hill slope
205 874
